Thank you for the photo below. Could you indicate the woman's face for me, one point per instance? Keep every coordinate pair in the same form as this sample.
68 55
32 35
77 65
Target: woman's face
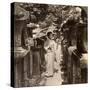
51 36
55 36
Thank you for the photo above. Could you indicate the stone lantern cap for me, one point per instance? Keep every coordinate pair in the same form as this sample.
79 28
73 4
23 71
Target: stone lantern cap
20 13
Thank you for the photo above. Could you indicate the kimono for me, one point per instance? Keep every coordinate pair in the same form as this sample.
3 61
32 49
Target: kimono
50 48
58 54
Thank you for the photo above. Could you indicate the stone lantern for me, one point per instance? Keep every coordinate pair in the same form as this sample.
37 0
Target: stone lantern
20 53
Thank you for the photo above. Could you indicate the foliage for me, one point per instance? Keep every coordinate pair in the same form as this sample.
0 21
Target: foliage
46 14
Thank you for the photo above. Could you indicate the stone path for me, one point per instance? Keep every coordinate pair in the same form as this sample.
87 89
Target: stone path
51 81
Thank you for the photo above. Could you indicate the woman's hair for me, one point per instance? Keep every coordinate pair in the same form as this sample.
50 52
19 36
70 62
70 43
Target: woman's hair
48 34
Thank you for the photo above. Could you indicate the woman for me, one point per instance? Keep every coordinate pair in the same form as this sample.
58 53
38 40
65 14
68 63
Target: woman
58 51
50 48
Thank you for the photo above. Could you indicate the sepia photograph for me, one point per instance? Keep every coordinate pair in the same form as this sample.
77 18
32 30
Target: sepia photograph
49 44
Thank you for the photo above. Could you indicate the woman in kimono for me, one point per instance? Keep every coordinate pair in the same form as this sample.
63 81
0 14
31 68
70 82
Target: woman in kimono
58 51
50 48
